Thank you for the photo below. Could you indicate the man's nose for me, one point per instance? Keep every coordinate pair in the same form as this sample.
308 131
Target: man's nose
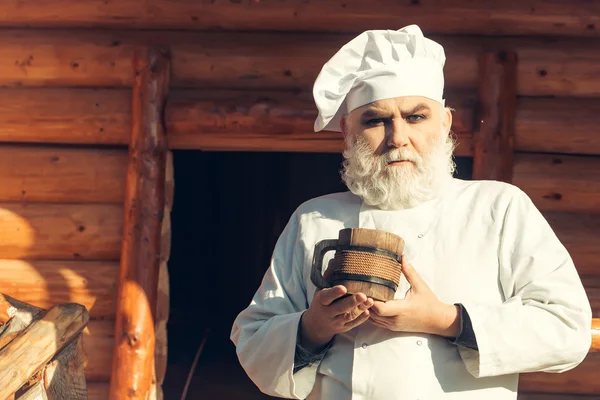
397 135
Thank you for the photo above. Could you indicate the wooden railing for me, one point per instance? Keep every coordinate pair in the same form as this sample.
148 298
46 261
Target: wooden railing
41 352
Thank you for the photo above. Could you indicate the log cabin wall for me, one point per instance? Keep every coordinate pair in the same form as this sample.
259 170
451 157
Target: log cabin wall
241 78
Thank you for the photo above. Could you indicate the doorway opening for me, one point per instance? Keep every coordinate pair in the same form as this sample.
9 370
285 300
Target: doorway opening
229 209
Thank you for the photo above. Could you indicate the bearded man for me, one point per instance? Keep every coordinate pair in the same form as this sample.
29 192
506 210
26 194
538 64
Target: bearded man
487 289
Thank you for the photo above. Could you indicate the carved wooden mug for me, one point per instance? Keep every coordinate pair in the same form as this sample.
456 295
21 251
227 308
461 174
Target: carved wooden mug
366 261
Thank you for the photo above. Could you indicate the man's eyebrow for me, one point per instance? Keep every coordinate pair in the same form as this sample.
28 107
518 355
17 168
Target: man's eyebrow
375 113
418 107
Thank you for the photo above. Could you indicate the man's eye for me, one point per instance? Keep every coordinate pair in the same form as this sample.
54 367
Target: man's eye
415 118
375 121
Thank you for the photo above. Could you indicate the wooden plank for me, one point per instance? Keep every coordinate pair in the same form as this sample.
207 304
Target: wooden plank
254 120
558 125
100 391
550 396
559 183
61 231
595 348
579 232
51 58
36 346
72 115
44 284
62 175
494 136
271 121
133 364
511 17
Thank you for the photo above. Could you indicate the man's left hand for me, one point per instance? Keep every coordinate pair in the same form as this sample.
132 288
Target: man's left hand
420 311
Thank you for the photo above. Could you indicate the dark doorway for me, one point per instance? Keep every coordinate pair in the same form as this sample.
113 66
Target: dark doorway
229 210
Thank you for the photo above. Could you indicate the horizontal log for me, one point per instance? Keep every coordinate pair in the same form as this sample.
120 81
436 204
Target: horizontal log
77 116
558 125
563 67
99 391
98 345
583 379
62 175
511 17
61 231
44 284
579 233
267 120
550 396
559 183
233 120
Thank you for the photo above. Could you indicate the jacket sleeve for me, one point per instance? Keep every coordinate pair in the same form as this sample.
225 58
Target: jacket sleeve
544 323
265 332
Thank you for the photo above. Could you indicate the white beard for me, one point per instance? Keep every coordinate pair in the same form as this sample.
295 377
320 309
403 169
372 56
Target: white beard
397 187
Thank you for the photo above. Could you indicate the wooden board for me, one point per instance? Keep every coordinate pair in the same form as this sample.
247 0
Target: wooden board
554 125
61 231
270 121
44 284
579 233
62 175
78 116
581 380
510 17
262 60
263 120
559 183
98 346
100 390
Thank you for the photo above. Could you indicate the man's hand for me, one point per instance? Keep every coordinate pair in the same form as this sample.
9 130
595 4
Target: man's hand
420 311
326 317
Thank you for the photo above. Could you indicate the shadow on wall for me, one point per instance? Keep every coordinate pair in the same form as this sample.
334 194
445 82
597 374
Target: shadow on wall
229 210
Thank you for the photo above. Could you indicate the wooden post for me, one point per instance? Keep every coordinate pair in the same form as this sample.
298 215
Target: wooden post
496 116
133 361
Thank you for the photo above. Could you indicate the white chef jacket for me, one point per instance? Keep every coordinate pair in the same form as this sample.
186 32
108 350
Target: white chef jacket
483 244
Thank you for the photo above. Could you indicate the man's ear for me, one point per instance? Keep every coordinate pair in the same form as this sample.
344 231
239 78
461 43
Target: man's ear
447 119
344 125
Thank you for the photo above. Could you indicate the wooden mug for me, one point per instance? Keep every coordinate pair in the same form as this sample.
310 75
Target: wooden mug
366 261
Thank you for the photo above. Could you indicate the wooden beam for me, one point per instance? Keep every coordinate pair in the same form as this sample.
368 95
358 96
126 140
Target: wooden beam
37 344
511 17
558 182
583 379
494 138
133 361
558 125
241 60
261 120
271 121
70 115
579 233
61 231
62 175
44 284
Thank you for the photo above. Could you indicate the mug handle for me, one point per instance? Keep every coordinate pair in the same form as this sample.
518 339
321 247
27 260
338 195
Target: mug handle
316 275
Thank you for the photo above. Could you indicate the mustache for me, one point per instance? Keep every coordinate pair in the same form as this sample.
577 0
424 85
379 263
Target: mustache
394 155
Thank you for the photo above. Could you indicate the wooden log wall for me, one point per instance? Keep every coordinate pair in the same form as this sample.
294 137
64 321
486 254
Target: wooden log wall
65 122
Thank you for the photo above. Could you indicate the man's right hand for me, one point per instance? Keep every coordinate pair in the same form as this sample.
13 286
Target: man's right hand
327 317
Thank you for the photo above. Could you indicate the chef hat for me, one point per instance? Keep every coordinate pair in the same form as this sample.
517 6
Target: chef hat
376 65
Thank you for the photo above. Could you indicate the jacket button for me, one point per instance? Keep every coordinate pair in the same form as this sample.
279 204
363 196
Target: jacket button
364 345
419 342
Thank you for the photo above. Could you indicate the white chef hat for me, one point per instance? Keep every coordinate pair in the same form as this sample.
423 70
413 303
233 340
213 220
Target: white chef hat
376 65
